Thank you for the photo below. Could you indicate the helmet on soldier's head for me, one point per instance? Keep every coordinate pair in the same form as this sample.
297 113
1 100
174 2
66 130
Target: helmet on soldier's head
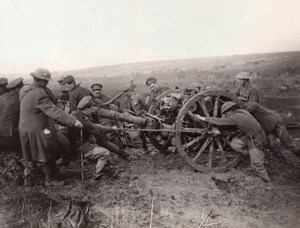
243 75
41 73
226 106
150 80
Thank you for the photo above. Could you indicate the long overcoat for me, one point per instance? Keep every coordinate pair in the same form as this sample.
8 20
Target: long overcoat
38 135
9 113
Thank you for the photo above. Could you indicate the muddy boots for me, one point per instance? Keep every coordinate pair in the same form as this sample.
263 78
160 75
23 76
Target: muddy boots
104 167
53 177
257 163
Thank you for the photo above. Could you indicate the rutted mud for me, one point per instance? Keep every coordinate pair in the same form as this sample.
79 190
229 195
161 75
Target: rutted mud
165 192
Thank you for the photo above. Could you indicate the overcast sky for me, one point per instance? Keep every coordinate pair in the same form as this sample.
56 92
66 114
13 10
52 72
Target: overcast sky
74 34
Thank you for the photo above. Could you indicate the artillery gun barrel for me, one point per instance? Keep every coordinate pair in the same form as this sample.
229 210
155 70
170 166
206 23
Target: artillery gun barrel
105 113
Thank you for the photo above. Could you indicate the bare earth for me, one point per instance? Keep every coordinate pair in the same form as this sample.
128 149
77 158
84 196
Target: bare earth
162 191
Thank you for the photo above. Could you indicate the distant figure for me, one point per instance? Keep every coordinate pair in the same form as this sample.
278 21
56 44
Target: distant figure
247 89
3 83
156 90
40 140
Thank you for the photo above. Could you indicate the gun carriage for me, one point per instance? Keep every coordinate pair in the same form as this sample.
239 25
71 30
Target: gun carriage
174 125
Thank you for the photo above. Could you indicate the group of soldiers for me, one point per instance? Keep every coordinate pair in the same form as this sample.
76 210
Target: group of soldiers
33 123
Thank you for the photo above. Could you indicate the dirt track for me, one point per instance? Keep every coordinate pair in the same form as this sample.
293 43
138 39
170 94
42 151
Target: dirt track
180 196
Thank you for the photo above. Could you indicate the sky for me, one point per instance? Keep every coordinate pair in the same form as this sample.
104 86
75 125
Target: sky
74 34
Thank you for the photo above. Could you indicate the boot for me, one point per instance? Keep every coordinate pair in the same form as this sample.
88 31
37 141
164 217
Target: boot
264 175
107 169
53 177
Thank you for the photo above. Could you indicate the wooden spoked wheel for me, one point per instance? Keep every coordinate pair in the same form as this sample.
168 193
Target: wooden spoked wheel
207 148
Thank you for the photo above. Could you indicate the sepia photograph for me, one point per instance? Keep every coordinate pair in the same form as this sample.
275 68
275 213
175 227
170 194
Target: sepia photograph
149 114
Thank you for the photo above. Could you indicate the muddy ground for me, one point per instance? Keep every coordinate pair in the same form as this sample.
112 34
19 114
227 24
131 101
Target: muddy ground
163 191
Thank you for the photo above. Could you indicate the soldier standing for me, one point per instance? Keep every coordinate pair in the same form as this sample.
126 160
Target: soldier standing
247 89
3 83
9 116
39 138
9 135
252 140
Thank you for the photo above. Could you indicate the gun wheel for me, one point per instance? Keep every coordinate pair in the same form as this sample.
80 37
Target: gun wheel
208 149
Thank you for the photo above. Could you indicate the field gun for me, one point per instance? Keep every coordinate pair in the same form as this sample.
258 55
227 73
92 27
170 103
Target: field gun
172 125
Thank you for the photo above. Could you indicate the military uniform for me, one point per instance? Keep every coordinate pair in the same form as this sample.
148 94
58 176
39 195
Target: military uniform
9 120
3 83
252 141
90 148
250 92
247 90
40 140
9 135
134 103
76 94
272 124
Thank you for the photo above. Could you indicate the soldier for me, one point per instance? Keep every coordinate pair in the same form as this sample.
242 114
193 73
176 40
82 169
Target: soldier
40 140
9 135
9 116
3 83
247 89
97 91
133 103
89 147
76 92
252 140
156 90
84 114
273 126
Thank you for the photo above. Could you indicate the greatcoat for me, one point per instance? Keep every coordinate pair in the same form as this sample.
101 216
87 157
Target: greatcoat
39 138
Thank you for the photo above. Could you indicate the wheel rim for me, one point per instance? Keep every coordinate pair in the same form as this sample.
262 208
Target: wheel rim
208 150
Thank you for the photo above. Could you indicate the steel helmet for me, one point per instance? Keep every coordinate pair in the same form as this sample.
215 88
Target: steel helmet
226 106
41 73
243 75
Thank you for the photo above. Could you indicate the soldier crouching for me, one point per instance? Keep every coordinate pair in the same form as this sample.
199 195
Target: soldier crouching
90 133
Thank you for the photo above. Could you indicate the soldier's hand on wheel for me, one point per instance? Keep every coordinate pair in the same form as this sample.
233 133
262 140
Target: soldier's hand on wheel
78 124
